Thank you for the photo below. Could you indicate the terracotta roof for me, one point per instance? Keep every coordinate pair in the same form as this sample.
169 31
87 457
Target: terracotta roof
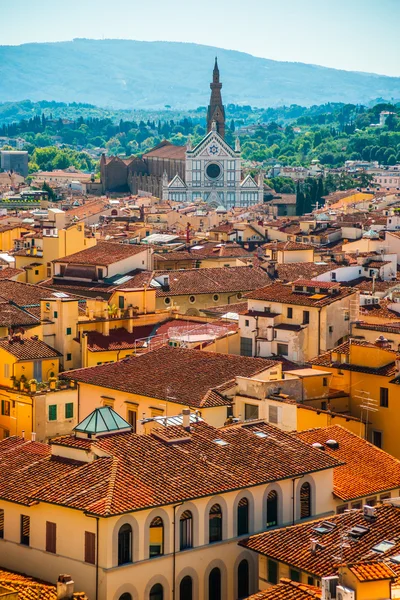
172 368
287 246
29 349
118 338
12 316
288 590
167 150
135 472
279 292
367 470
307 270
291 545
326 360
103 254
381 310
213 280
9 273
371 571
30 588
315 283
236 307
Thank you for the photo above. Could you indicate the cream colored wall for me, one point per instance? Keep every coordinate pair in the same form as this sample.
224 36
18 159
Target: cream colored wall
201 301
46 429
229 344
138 577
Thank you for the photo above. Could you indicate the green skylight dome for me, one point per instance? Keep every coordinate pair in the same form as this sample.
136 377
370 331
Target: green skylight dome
101 421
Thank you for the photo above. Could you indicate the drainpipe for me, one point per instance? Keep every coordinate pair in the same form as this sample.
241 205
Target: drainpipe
97 558
174 552
319 331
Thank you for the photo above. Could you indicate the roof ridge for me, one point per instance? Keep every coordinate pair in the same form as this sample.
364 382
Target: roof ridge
111 485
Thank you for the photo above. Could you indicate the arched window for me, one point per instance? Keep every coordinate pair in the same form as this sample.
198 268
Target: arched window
243 517
243 579
156 537
214 585
272 509
305 500
186 530
125 596
186 588
215 524
125 544
157 592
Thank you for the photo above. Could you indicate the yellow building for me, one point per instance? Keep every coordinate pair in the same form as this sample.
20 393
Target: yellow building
368 373
144 516
289 252
9 233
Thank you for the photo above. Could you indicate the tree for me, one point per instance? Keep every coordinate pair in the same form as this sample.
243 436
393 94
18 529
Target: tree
49 190
299 200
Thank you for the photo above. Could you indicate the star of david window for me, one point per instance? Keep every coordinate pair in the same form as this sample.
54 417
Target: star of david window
213 149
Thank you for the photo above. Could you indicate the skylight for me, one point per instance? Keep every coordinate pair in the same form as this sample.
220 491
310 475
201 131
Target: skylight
60 295
395 559
220 442
325 527
383 546
260 434
358 531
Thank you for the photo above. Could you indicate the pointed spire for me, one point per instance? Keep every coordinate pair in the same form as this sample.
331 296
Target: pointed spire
216 110
237 145
189 146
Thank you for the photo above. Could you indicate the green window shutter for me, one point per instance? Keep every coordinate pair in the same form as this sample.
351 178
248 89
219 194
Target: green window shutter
53 412
69 410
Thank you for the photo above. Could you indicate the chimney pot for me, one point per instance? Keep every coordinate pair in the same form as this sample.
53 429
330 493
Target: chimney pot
65 587
23 434
186 418
33 436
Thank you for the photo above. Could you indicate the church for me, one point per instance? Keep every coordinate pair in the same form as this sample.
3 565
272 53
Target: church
211 171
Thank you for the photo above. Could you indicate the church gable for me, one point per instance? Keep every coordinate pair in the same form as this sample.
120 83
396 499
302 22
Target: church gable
213 146
177 183
249 183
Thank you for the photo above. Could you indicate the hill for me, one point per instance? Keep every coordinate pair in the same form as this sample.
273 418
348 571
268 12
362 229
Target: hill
132 74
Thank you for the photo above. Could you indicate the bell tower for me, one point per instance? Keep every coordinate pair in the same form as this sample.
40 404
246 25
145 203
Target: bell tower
216 111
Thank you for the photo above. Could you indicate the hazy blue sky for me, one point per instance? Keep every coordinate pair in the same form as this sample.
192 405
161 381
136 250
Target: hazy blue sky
357 35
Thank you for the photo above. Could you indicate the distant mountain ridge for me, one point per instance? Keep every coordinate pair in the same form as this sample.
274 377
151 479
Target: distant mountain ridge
133 74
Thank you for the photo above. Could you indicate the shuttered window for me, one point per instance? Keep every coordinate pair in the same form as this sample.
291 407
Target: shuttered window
25 529
53 412
90 547
1 523
51 535
69 410
274 414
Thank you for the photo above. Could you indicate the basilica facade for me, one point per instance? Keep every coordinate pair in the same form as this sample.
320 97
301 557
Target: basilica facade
213 169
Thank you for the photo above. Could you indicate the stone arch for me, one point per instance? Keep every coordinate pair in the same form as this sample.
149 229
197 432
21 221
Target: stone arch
192 312
251 558
126 520
249 496
157 579
157 512
189 571
273 487
126 588
224 577
224 507
310 480
196 522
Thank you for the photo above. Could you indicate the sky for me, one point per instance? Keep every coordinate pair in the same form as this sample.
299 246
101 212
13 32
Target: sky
355 35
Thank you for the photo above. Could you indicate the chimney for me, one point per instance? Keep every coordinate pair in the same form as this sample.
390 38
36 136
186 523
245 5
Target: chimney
23 434
65 587
271 268
33 436
186 418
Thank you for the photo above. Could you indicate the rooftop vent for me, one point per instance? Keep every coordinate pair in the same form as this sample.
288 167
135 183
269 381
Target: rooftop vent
220 442
358 531
318 445
369 512
333 444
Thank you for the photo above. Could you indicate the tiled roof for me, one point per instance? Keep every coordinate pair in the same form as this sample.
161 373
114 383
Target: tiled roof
9 272
12 316
279 292
367 470
25 295
288 590
381 310
371 571
236 307
287 246
167 150
326 360
118 338
291 545
29 349
103 254
188 374
214 280
315 283
30 588
307 270
134 471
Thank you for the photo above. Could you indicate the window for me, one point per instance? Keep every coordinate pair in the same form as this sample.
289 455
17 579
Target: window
156 545
55 314
382 497
132 418
121 302
282 349
356 505
289 313
51 537
157 592
310 580
214 585
215 524
272 509
305 502
294 575
53 412
243 517
247 323
5 408
186 530
330 328
324 405
215 297
274 414
384 397
250 412
1 523
69 330
371 501
6 370
167 300
90 547
306 317
272 572
192 299
325 381
246 346
25 530
69 356
377 438
100 273
341 509
69 410
243 579
125 544
186 588
125 596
